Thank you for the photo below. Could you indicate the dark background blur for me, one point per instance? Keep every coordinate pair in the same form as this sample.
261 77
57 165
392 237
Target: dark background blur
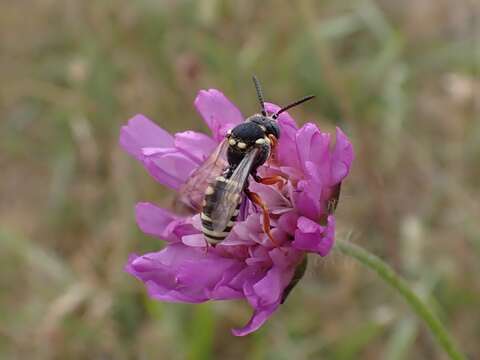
399 77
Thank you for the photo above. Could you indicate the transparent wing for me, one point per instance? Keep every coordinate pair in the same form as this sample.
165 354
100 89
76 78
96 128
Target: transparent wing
230 195
193 191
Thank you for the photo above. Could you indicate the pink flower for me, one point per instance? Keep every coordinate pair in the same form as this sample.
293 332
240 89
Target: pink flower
246 264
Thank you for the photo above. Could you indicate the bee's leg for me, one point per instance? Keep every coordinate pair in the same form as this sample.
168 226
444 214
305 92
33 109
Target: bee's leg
257 200
270 180
207 246
273 145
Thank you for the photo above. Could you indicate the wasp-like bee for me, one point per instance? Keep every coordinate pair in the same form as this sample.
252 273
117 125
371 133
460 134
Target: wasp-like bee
216 188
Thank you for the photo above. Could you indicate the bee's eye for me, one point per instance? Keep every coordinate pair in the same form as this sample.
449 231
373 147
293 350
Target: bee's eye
274 129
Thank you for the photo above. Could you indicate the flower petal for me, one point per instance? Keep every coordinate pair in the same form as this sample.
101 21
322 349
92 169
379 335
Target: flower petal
268 290
307 197
342 158
199 146
160 223
313 148
194 240
180 273
217 111
313 237
288 222
265 296
249 229
141 132
271 196
284 118
169 167
257 320
286 152
285 258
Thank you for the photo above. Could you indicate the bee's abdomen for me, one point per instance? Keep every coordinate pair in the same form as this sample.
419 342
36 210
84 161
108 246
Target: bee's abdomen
211 198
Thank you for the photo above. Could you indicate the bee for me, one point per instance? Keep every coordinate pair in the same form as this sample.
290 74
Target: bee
219 186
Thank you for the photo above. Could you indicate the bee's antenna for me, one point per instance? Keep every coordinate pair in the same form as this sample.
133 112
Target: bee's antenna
298 102
259 94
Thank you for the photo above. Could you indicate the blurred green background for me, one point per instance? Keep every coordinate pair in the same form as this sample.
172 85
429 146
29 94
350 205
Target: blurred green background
400 77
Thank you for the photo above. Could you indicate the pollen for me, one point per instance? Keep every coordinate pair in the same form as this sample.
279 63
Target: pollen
232 142
209 190
260 141
242 145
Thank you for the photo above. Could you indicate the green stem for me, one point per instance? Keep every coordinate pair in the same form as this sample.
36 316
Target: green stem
419 307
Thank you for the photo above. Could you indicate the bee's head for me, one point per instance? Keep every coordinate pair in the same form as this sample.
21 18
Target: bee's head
269 122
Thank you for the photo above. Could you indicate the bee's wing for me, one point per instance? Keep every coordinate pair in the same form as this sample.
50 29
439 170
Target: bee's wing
230 195
193 191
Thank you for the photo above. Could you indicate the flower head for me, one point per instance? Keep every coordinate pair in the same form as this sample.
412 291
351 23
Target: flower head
246 264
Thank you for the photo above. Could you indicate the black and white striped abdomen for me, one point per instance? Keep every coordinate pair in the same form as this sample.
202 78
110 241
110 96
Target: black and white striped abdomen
212 196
